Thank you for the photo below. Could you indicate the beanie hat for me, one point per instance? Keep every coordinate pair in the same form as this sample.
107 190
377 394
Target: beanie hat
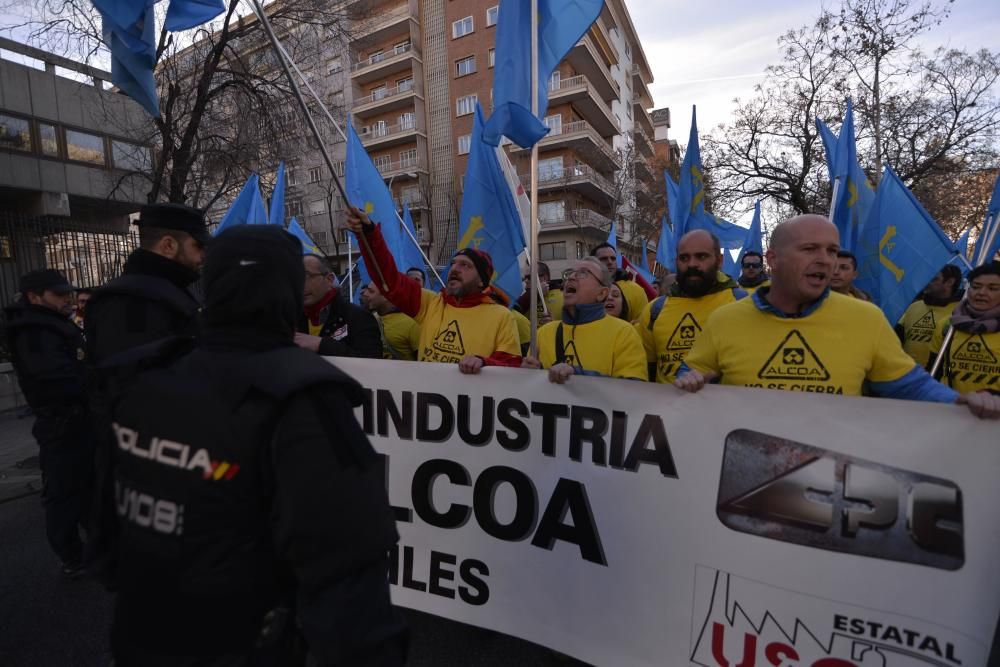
254 279
481 260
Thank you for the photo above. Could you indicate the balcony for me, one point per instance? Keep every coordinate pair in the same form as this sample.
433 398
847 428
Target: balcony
385 64
581 217
384 25
586 59
400 170
383 135
581 178
642 141
644 193
643 170
387 99
580 136
642 118
585 99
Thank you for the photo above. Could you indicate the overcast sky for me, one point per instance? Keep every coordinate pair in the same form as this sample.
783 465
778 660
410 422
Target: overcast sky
707 53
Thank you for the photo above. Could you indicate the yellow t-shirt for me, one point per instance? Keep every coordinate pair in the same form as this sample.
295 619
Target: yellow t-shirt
678 326
402 333
973 361
608 346
553 301
832 350
523 327
635 297
448 333
920 322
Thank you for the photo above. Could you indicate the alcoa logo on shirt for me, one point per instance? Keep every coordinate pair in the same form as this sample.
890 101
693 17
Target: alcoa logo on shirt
174 454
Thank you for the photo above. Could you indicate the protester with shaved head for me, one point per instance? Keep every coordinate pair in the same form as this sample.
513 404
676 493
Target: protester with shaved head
670 324
798 335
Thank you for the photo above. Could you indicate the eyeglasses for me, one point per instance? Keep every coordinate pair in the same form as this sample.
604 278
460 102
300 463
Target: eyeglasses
752 265
574 273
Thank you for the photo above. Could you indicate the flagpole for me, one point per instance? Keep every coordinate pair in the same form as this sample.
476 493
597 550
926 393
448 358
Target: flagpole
350 268
833 198
979 260
533 223
419 249
262 16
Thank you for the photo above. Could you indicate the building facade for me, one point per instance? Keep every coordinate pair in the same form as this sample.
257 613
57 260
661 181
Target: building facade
409 76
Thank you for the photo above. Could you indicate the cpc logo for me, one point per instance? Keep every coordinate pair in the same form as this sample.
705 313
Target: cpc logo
789 491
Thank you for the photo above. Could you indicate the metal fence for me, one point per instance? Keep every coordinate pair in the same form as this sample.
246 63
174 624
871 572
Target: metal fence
88 254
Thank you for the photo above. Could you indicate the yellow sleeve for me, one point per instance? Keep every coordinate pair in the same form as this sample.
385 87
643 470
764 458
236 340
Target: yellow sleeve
413 335
630 357
645 335
890 362
507 339
547 344
523 327
704 356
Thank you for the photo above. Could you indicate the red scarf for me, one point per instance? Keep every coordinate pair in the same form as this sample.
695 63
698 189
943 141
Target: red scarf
469 300
313 311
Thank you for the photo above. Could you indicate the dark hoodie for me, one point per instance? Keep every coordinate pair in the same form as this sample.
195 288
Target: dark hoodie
148 302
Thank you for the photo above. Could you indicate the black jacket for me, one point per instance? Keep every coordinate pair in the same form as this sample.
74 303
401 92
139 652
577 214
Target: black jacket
148 302
348 331
244 482
47 352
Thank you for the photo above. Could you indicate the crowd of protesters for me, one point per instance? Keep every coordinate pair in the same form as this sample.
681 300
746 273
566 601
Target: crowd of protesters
160 418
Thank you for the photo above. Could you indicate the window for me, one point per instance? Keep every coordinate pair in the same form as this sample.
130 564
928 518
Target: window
466 105
628 110
85 147
15 133
551 211
402 47
293 209
410 195
407 158
335 65
554 123
130 157
461 28
378 93
344 235
380 128
581 250
319 237
403 85
492 14
383 163
464 144
49 139
555 81
493 57
547 251
315 174
550 169
291 174
339 166
6 251
407 121
466 66
317 207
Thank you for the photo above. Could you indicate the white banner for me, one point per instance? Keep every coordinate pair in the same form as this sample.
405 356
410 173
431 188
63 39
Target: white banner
625 523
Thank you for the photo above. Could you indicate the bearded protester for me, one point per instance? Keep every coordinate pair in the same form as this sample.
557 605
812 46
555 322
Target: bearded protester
462 324
799 335
928 316
671 324
587 341
972 360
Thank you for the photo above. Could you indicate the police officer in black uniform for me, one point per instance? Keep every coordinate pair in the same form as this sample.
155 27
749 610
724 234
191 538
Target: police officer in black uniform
250 502
47 353
151 300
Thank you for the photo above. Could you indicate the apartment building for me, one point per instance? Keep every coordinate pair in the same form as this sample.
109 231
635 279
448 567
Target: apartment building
409 78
